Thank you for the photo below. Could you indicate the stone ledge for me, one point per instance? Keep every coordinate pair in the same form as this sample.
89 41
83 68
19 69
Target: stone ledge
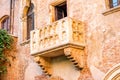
25 42
112 10
59 50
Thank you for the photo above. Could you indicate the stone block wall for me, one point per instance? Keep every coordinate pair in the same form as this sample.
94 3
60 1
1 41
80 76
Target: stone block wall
22 64
102 36
102 32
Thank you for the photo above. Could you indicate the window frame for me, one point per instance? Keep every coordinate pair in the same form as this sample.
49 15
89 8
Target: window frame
110 10
27 11
52 9
59 8
30 17
112 4
5 20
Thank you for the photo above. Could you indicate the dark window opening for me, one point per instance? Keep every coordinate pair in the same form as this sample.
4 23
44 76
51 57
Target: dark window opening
5 24
30 20
114 3
60 11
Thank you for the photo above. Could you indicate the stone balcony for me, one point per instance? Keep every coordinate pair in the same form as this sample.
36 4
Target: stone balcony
63 37
58 35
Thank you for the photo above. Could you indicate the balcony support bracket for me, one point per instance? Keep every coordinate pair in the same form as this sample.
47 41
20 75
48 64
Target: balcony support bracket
76 56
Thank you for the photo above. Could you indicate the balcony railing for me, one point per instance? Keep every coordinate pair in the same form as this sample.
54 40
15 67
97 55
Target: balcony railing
56 36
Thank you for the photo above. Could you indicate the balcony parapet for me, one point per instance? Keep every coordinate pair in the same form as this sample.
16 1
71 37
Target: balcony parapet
63 37
59 34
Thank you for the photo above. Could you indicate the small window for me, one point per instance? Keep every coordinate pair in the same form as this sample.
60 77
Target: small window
114 3
5 24
60 11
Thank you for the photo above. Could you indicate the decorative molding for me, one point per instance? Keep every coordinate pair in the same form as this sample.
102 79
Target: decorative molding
113 73
44 63
52 9
76 56
63 37
25 42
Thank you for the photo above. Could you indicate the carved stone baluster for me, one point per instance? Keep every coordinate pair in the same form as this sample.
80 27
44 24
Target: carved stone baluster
48 42
76 36
42 33
42 43
81 38
74 26
56 39
45 42
63 24
51 40
50 30
64 36
45 30
81 27
81 33
55 28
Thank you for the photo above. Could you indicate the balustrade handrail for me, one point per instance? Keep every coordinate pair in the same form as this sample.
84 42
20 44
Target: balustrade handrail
59 33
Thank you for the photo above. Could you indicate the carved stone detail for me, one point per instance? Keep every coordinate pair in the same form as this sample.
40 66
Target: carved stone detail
59 33
76 56
63 37
113 73
44 63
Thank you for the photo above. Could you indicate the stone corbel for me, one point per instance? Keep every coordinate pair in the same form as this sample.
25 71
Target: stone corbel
44 63
76 56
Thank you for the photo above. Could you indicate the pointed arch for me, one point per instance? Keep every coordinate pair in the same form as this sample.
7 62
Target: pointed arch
5 23
28 19
3 17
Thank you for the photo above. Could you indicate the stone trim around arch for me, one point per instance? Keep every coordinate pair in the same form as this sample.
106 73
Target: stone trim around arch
113 73
3 18
24 21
